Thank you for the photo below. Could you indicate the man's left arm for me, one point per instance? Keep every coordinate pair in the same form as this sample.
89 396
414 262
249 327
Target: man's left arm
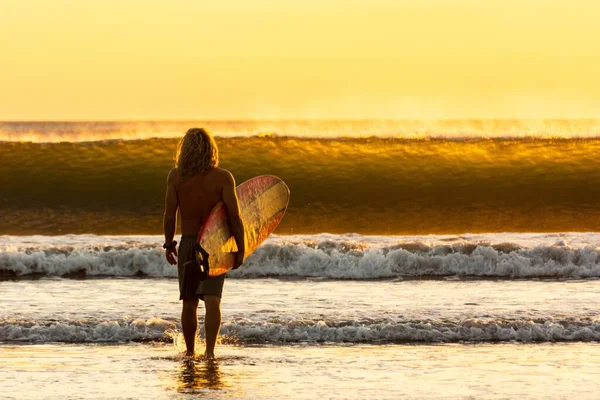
170 217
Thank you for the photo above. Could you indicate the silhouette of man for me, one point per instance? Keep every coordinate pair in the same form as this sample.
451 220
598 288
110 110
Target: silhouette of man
194 187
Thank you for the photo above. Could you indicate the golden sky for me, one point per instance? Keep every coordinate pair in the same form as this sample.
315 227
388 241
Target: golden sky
245 59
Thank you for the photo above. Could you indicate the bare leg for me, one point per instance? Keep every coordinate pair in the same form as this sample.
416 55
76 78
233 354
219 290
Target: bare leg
212 323
189 324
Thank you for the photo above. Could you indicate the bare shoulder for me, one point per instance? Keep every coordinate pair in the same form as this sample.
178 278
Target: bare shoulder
223 175
173 176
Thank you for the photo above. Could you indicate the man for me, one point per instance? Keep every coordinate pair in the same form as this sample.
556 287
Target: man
195 186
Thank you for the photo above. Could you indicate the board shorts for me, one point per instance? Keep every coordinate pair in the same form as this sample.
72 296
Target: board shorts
190 285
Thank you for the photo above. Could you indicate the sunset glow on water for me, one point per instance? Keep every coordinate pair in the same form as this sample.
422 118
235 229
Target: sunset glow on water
442 238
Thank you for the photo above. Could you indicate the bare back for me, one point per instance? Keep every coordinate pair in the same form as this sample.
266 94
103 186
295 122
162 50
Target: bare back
197 196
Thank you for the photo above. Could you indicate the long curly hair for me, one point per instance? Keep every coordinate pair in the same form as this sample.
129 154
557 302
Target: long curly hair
196 152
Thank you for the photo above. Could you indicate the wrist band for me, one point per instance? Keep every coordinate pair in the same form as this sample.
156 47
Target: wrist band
170 246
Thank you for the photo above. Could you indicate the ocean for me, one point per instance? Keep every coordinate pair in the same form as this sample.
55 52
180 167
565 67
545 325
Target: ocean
446 260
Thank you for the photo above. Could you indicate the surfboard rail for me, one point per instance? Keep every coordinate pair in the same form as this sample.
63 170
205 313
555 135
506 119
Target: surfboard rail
263 202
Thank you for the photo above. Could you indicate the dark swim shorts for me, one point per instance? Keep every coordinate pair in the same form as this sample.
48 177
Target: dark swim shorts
190 285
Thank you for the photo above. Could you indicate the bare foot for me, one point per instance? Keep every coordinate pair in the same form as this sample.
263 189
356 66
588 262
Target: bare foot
209 356
189 354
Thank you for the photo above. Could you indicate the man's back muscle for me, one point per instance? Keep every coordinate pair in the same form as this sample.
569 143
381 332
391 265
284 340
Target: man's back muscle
197 196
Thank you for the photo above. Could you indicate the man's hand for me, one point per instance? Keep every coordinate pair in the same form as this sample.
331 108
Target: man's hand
239 260
171 254
236 224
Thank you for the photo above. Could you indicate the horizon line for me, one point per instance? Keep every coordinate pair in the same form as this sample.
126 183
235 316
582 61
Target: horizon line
304 119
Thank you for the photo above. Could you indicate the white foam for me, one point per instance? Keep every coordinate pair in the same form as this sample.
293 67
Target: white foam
85 331
391 262
472 330
319 331
325 256
120 261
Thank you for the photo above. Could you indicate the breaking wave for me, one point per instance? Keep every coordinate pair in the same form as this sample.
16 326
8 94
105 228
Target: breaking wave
319 258
369 185
316 331
86 330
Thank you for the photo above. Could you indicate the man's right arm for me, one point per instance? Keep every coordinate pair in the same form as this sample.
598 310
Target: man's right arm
235 220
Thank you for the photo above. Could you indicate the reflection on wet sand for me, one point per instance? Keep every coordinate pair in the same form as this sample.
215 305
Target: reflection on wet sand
199 374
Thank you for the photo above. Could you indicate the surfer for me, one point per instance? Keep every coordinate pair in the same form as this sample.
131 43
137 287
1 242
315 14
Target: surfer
194 187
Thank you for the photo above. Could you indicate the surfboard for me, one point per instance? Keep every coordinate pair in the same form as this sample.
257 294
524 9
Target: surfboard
263 201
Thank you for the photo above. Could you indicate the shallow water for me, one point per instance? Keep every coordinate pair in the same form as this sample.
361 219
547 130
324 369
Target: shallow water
281 311
415 316
136 371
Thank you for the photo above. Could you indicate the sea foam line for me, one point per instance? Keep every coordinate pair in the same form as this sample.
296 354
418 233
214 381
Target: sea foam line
312 331
351 258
